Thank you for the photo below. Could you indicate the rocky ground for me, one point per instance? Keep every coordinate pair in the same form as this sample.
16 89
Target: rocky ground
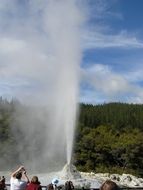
94 180
122 180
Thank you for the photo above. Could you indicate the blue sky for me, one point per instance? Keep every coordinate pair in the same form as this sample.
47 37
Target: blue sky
113 56
111 41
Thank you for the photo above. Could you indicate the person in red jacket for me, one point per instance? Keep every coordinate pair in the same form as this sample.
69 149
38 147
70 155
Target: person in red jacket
34 184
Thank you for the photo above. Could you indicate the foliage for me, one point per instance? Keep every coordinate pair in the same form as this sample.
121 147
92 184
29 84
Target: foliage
109 138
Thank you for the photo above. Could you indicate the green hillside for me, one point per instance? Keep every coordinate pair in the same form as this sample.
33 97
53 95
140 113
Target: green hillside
109 138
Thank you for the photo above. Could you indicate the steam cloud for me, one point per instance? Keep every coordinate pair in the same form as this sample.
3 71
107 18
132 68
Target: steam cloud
43 48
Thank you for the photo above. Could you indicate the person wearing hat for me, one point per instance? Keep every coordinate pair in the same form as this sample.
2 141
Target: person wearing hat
55 182
19 179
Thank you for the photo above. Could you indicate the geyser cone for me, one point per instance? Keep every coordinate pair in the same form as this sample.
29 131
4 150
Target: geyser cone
70 172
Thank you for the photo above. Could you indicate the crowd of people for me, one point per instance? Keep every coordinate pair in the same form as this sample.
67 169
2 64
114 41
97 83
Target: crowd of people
20 181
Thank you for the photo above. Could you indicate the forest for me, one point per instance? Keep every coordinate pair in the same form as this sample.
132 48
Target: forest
108 137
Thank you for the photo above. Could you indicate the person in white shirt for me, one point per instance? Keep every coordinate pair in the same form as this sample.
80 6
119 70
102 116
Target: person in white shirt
17 182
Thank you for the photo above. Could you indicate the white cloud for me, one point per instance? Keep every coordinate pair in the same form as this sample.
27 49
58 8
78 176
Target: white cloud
102 9
102 78
100 39
110 86
134 76
101 32
9 45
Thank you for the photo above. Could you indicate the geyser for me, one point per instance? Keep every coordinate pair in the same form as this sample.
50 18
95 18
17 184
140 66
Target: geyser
47 126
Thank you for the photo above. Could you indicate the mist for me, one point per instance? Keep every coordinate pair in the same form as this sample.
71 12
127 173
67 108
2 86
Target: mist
43 63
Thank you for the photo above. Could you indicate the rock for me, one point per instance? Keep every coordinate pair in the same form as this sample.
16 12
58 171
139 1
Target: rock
70 172
113 177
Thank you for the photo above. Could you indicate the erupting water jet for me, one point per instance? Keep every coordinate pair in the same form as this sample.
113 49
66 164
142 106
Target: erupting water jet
48 65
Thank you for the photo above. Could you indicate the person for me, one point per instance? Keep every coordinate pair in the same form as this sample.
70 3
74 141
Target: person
34 184
69 185
2 183
16 181
109 185
50 187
